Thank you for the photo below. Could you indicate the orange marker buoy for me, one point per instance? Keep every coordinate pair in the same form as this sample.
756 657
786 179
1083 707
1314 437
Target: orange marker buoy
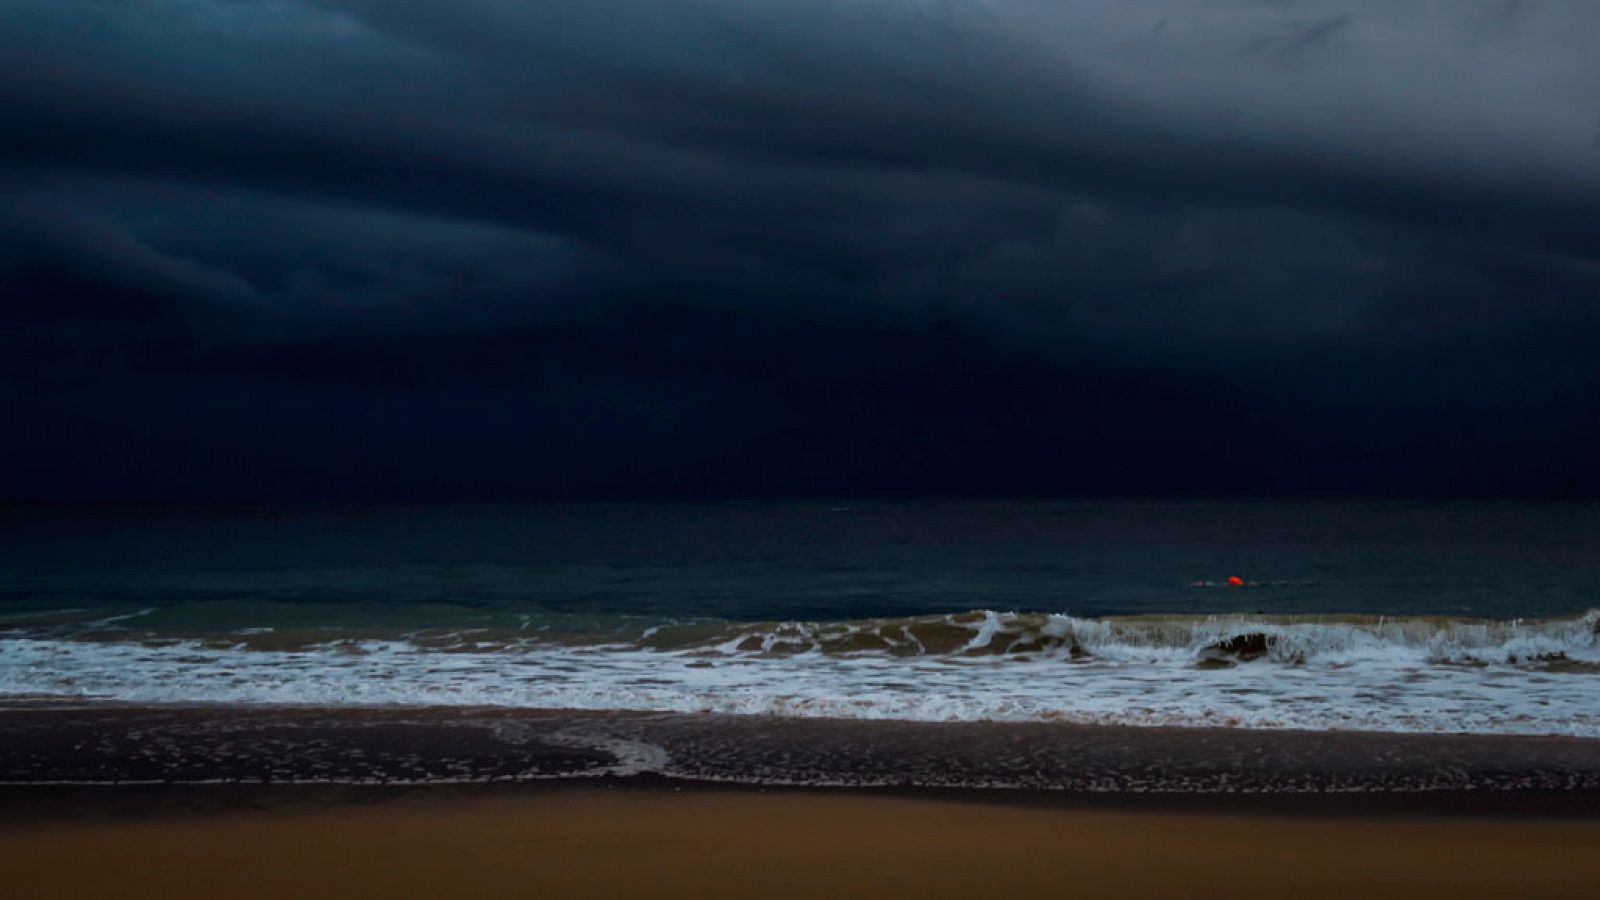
1235 581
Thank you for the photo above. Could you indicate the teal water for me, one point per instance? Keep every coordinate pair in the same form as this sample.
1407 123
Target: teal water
591 565
1475 617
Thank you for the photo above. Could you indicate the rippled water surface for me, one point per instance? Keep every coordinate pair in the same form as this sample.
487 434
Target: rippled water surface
1380 616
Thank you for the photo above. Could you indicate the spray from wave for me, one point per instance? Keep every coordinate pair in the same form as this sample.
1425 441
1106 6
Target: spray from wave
1213 640
1410 674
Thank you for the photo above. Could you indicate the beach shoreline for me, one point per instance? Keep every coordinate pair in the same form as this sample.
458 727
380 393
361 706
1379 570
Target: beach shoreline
348 802
119 745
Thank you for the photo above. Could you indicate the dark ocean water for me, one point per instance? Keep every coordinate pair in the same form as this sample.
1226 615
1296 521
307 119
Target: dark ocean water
755 561
758 607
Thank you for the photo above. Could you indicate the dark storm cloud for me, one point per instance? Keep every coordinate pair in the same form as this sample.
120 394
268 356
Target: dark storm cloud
397 247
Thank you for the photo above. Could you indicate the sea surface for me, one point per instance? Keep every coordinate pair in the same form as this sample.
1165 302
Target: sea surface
1462 617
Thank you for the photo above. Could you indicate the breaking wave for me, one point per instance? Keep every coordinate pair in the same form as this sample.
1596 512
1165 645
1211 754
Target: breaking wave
1308 672
1210 639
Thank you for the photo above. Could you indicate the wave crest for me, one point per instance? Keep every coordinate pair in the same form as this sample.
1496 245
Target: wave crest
1207 639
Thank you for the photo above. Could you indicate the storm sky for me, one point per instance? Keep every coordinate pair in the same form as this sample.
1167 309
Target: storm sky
493 249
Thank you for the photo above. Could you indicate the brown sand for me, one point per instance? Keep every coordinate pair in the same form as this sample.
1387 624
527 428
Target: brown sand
597 843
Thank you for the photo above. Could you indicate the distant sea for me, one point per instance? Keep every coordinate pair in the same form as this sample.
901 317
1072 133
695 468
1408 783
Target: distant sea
1477 617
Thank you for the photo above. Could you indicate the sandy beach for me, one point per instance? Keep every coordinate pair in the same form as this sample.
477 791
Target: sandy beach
595 842
211 802
214 802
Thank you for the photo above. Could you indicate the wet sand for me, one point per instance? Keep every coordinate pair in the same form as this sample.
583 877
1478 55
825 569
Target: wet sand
219 802
594 842
122 746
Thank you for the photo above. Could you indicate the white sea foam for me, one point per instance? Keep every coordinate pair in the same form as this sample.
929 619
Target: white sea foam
111 621
1393 675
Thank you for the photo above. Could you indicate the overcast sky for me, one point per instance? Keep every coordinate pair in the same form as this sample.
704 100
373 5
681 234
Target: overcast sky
486 249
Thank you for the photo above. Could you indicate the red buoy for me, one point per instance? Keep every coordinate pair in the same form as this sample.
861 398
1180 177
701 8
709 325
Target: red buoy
1235 581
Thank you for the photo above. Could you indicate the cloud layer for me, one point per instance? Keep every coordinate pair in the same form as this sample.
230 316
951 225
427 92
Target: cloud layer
396 248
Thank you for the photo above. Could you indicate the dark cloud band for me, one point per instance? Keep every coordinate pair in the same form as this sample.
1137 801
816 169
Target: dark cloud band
905 246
